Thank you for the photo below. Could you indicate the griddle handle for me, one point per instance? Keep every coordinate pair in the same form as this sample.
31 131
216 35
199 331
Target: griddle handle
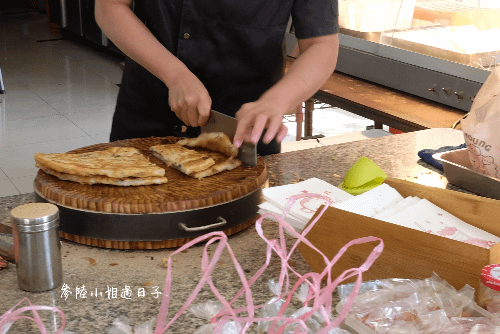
221 222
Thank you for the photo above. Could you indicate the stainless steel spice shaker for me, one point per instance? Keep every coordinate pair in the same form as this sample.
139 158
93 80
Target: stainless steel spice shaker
37 249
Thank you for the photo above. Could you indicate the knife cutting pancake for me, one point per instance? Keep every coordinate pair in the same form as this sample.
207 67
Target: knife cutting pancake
216 141
218 155
219 122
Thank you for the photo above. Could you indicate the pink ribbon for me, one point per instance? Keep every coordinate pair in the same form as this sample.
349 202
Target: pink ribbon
321 298
12 315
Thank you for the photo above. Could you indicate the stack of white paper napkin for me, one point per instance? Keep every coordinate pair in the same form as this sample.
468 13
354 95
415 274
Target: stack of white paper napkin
304 208
382 203
386 204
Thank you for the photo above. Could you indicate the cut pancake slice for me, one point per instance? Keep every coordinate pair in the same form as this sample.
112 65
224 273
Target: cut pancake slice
115 162
100 179
193 163
222 163
186 160
214 141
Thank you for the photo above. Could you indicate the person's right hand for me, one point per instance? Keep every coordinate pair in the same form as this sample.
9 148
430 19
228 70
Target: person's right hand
189 99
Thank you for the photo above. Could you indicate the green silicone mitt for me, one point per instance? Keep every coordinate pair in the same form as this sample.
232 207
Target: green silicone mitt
362 176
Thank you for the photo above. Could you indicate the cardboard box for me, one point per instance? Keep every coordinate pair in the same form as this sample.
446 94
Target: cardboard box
409 253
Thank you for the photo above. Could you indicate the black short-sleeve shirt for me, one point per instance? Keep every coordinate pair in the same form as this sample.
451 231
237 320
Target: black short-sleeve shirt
233 47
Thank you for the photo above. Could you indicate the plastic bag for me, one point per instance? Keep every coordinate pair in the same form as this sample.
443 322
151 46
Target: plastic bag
208 311
272 307
231 327
121 325
481 126
425 306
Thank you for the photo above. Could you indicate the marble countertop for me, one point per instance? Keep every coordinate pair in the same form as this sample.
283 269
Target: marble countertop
100 269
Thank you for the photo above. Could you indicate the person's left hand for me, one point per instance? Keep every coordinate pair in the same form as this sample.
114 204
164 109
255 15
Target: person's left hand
256 116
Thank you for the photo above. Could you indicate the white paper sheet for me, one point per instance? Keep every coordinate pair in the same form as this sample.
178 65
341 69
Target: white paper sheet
383 203
267 207
371 202
304 208
427 217
400 206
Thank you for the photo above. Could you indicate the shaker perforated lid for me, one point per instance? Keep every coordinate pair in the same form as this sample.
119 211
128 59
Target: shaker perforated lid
490 276
34 213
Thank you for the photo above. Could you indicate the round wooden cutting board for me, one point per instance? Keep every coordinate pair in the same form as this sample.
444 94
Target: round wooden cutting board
154 216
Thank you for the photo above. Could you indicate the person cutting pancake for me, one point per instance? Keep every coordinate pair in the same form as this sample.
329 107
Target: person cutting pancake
186 57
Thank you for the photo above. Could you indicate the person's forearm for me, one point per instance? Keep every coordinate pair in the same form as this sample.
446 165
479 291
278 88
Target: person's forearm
187 96
307 74
130 35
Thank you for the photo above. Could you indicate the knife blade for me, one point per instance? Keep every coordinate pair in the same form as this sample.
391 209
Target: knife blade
219 122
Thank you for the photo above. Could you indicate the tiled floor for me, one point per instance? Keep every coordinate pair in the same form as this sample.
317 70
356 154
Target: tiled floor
60 95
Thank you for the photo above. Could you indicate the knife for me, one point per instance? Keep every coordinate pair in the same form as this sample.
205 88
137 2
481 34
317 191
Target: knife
218 122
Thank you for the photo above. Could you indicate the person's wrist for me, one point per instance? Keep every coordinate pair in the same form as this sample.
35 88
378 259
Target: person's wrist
173 74
276 103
